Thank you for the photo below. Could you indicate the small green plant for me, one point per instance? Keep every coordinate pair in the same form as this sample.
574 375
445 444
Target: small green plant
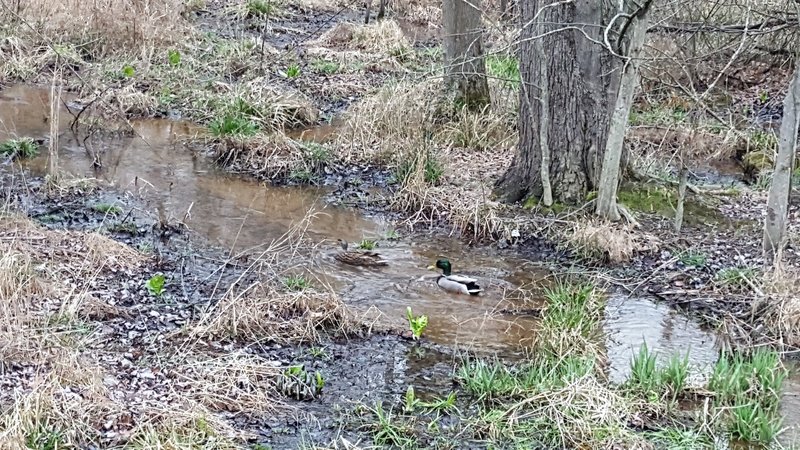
319 381
388 431
44 438
318 352
401 53
296 283
645 376
486 381
145 248
261 447
294 371
21 148
106 208
316 155
126 227
417 324
750 422
392 235
763 180
737 277
303 175
410 400
442 404
693 258
174 58
658 116
432 168
367 244
325 66
259 8
128 71
571 309
155 285
679 439
505 67
293 71
230 125
676 373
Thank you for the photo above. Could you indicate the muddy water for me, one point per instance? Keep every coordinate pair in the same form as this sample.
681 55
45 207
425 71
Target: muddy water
239 213
633 321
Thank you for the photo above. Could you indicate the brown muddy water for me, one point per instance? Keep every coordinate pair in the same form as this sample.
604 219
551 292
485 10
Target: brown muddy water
235 212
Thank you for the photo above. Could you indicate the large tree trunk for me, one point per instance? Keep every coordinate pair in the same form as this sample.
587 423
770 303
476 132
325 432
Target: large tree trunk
781 186
609 176
581 86
463 48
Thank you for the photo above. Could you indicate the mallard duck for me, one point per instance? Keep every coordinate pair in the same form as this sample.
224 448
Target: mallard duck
359 258
456 284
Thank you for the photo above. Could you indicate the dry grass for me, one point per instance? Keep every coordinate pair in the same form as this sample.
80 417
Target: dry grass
391 122
483 130
420 12
265 155
780 285
586 413
448 160
383 37
602 241
100 27
264 313
64 406
262 306
237 383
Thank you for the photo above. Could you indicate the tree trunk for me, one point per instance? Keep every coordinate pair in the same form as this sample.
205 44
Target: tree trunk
581 86
609 177
463 47
781 187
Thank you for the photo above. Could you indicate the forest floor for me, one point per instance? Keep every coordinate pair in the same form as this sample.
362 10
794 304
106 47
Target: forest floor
115 352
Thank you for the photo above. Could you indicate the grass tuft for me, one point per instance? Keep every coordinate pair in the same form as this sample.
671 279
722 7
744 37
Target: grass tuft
602 242
22 148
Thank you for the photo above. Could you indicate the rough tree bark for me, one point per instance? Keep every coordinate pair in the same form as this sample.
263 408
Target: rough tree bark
581 86
609 177
463 48
781 186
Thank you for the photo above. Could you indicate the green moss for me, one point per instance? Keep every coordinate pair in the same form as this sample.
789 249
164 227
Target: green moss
532 202
662 201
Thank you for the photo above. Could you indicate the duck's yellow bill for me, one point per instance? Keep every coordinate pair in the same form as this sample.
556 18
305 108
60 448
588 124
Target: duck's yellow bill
431 268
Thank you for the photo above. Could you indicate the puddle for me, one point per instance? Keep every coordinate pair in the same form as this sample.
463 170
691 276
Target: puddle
631 321
236 212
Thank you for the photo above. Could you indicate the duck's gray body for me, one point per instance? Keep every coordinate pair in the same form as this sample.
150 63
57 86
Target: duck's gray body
459 284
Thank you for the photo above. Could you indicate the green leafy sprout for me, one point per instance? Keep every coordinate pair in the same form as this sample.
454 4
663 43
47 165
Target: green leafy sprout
155 285
417 324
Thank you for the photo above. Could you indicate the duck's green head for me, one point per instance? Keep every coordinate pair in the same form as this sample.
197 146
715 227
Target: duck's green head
443 264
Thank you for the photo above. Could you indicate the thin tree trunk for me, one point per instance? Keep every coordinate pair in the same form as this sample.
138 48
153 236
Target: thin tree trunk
609 177
780 189
683 181
581 85
463 46
382 9
683 175
544 119
55 109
